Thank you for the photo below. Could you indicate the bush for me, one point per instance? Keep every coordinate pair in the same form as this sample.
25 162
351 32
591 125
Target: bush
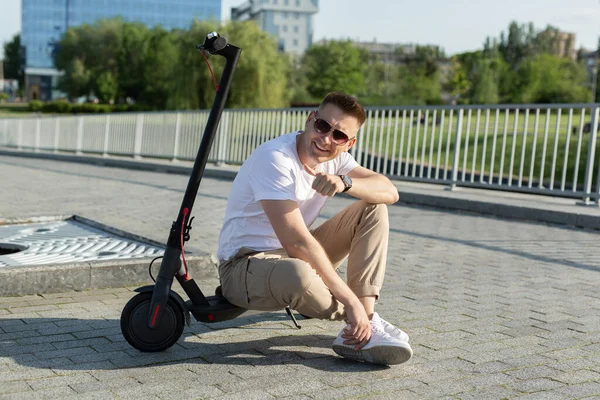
35 105
63 107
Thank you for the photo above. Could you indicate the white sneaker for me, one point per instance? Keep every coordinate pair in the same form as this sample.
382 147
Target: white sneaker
381 348
391 329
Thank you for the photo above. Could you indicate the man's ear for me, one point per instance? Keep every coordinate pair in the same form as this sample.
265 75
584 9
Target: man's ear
351 143
310 116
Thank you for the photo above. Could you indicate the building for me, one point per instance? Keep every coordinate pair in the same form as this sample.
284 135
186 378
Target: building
562 44
43 22
392 53
290 21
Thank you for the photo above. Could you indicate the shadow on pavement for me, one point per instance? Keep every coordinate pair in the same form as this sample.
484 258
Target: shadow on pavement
97 344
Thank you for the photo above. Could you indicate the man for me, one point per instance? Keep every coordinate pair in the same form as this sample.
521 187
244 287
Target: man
269 259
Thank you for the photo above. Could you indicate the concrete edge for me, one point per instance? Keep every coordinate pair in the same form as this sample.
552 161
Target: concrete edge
406 197
58 278
507 211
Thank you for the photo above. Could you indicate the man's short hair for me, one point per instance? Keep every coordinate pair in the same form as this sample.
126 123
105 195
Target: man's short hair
348 104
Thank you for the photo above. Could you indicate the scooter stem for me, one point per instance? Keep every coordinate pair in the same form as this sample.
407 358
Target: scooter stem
171 264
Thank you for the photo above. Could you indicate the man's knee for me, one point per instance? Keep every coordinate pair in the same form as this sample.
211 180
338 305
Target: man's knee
295 283
377 213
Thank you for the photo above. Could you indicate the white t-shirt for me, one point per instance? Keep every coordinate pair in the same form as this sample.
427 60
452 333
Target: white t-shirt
272 172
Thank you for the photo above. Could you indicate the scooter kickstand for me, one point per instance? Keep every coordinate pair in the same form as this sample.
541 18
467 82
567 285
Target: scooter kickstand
291 314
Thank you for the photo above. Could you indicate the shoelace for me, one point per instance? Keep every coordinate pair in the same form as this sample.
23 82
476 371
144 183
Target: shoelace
379 329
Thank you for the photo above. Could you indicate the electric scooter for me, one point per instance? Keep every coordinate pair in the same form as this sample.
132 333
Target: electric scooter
153 320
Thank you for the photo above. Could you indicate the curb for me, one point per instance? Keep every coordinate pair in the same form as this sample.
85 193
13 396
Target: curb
58 278
163 167
500 210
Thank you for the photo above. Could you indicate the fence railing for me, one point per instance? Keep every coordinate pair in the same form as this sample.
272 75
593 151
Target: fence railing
544 149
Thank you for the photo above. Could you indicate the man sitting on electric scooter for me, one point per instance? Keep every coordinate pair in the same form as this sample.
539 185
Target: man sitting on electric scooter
269 256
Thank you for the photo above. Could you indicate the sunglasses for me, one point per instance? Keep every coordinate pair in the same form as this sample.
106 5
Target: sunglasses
324 127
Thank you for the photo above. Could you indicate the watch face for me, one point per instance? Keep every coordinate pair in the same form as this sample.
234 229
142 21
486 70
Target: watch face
347 181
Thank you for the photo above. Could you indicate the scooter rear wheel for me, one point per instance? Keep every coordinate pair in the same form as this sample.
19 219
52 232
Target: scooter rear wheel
135 329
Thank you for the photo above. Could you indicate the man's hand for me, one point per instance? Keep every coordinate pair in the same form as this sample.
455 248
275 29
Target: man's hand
359 332
325 184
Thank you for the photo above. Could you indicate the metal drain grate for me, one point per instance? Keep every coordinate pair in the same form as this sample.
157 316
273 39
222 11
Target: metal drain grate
66 241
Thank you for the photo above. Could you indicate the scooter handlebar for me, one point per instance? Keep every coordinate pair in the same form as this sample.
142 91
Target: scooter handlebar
213 44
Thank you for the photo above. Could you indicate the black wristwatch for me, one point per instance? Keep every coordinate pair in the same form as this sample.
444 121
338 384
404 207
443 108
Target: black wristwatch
347 182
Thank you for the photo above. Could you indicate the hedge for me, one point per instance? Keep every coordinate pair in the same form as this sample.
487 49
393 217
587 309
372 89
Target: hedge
62 107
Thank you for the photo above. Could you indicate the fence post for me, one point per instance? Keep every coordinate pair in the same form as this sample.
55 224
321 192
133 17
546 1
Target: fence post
56 134
177 134
223 135
38 122
139 131
79 142
5 133
106 135
20 135
457 150
283 127
589 166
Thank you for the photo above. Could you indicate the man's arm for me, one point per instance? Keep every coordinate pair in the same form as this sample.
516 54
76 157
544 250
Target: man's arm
372 187
298 242
367 185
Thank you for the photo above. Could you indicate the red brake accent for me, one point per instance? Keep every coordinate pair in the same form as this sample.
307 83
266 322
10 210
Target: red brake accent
155 314
211 72
211 317
185 213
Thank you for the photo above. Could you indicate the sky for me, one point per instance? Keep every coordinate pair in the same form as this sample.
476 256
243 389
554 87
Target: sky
455 25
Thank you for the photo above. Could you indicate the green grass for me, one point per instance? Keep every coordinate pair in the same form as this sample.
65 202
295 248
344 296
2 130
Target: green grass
13 110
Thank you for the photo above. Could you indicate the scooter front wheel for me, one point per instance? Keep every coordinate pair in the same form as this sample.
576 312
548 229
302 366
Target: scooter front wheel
135 329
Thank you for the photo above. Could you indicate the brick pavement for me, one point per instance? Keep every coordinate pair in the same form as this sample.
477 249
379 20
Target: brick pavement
495 309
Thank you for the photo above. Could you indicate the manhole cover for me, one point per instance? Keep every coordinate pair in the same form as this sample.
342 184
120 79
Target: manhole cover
66 241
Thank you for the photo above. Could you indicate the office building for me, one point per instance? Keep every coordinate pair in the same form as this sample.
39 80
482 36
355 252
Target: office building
290 21
45 21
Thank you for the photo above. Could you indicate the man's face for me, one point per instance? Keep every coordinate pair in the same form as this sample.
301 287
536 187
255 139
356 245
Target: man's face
321 142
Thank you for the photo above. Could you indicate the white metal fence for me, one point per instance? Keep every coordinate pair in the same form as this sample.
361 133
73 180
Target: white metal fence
547 149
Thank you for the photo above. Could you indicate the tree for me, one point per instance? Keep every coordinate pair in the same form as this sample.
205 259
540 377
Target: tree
335 66
485 85
131 58
106 87
459 83
157 67
12 61
260 79
87 52
550 79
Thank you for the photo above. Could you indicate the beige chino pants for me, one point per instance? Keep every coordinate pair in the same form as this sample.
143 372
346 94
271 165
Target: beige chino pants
271 280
